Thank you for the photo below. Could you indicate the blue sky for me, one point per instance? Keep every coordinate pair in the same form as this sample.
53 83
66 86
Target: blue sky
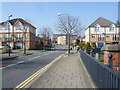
42 14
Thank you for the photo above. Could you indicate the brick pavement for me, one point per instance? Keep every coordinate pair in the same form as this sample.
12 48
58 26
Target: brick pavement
68 72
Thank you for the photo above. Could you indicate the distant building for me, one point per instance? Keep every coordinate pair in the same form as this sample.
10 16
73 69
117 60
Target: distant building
72 39
102 31
42 36
13 33
55 37
63 39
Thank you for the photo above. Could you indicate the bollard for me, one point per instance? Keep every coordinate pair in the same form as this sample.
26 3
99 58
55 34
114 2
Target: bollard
110 59
96 56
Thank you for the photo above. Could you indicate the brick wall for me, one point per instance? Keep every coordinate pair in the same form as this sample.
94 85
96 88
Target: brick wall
116 56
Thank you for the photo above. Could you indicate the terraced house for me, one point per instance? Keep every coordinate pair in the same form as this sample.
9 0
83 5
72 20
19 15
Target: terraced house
17 33
102 31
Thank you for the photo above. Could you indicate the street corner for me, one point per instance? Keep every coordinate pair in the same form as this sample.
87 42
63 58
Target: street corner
9 57
8 63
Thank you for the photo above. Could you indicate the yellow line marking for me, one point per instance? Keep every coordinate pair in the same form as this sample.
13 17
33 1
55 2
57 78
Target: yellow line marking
28 80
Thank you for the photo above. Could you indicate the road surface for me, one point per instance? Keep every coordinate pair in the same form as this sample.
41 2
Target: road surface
17 73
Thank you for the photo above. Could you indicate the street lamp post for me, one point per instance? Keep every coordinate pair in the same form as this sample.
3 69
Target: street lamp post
9 33
105 37
25 30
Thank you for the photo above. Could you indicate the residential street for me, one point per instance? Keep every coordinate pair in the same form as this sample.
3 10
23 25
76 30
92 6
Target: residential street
26 66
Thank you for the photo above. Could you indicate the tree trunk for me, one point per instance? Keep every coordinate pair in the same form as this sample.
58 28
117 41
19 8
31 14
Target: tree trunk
68 44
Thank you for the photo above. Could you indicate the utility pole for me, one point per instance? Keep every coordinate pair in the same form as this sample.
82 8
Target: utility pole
25 30
9 33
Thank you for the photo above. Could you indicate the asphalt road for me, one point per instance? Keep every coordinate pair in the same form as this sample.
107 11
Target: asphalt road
17 73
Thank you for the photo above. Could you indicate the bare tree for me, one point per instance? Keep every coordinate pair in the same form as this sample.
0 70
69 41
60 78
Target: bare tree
47 31
69 25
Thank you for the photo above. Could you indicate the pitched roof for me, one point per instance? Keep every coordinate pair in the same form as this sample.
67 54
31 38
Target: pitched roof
102 22
12 21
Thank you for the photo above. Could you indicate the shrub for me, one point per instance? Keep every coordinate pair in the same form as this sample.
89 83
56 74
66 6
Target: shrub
77 42
87 45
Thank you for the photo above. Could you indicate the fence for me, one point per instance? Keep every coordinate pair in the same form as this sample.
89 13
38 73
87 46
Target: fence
102 75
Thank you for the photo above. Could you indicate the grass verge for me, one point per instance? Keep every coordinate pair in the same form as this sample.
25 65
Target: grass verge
28 53
42 50
22 50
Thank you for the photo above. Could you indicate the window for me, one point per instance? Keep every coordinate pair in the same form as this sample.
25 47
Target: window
0 35
0 27
25 35
18 27
115 37
27 43
7 35
100 37
93 36
97 27
18 35
112 27
7 27
107 35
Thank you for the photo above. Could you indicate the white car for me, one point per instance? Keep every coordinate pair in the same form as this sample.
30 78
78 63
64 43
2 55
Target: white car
4 49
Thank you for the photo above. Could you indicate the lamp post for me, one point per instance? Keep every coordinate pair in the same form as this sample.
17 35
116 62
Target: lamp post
25 30
67 34
105 37
9 32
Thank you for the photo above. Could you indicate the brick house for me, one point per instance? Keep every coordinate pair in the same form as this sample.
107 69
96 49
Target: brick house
14 33
102 31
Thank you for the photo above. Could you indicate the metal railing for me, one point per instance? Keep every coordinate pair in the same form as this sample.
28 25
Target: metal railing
102 75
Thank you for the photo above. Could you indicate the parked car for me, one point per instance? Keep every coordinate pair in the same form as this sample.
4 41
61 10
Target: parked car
5 49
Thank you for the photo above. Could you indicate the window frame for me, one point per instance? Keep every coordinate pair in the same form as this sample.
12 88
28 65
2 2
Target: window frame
7 27
93 36
1 27
97 27
18 27
1 35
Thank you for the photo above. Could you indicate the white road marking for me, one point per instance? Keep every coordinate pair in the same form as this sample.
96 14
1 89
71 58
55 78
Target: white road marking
46 53
33 58
19 62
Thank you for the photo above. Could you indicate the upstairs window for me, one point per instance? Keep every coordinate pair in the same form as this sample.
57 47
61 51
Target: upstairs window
18 35
112 27
107 35
97 27
115 37
18 27
93 36
7 35
0 35
7 27
0 27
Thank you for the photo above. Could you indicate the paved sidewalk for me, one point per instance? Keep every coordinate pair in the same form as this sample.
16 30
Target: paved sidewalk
68 72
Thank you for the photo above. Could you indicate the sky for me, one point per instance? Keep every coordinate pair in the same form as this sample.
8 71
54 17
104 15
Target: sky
44 14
